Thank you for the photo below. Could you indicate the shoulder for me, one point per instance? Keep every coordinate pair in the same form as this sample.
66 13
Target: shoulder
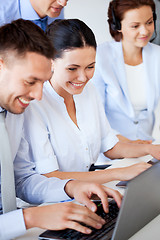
151 47
9 11
108 51
9 4
109 46
152 52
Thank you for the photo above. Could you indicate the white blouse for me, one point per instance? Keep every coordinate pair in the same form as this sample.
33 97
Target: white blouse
137 87
56 143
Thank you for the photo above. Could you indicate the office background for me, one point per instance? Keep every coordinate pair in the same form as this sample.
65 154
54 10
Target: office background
93 13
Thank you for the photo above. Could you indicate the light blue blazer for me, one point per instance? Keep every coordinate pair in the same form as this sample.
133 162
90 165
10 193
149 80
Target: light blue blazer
110 80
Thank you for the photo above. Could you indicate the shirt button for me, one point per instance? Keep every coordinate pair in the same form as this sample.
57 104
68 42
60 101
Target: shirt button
135 122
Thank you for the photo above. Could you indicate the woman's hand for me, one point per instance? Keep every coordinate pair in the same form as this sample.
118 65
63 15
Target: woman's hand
154 150
127 173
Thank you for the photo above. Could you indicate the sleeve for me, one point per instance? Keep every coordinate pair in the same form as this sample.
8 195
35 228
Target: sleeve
12 225
99 83
9 11
108 136
33 187
98 80
38 136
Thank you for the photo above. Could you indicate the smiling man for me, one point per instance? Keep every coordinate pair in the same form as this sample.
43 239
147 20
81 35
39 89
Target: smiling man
41 12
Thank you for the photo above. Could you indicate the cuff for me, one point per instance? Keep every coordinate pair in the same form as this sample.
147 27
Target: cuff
12 225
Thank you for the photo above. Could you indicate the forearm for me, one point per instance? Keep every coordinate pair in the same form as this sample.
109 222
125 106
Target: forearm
122 138
101 176
127 140
37 189
128 150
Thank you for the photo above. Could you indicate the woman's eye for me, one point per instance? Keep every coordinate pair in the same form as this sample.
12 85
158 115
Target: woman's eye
30 83
135 26
71 69
150 22
90 67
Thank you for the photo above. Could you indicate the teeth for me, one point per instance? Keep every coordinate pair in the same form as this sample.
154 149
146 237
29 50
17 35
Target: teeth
77 84
24 101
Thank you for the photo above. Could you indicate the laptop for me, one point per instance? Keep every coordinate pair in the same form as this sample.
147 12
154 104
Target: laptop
141 204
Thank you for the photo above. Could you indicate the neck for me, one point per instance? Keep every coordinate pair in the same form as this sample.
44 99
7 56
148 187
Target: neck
132 55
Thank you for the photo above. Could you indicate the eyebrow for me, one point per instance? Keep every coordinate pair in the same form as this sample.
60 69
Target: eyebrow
76 65
38 79
146 21
149 18
34 78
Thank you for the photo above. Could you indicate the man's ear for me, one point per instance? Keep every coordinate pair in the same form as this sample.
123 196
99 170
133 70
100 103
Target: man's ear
1 63
52 66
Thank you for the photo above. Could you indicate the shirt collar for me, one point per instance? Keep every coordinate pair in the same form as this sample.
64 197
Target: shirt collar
2 109
26 10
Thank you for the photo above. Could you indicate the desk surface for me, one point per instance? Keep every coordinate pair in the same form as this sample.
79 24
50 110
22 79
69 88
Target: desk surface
150 231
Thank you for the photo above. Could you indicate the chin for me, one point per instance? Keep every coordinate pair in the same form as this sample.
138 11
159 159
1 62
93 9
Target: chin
53 14
17 111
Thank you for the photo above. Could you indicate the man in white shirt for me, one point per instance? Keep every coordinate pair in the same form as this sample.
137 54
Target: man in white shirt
25 64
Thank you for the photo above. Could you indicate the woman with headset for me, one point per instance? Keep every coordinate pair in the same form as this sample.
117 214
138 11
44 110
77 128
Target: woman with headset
127 72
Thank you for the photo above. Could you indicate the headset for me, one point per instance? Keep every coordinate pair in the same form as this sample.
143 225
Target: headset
116 24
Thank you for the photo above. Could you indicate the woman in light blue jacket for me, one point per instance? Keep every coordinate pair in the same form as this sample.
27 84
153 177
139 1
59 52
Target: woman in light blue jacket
128 70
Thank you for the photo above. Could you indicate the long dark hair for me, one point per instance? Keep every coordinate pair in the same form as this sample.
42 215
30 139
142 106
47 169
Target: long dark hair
69 34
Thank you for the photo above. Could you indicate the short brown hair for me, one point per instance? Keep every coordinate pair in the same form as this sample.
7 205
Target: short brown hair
22 36
120 7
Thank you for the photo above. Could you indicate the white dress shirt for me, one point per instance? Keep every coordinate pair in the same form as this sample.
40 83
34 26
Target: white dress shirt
56 142
8 222
31 186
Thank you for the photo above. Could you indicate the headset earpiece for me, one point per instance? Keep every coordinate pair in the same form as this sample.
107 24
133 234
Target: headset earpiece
154 16
115 25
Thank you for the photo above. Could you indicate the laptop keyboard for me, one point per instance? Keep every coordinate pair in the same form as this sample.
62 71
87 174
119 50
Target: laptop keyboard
103 233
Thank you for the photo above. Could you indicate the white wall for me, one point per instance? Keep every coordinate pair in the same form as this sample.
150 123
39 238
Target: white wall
93 13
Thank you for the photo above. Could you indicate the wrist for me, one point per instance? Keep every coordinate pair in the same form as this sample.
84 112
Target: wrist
148 149
28 217
114 174
69 188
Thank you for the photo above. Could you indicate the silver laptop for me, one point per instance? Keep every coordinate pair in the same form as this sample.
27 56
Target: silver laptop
141 204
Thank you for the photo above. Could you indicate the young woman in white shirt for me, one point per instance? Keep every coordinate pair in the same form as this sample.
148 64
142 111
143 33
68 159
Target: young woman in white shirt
127 72
68 128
